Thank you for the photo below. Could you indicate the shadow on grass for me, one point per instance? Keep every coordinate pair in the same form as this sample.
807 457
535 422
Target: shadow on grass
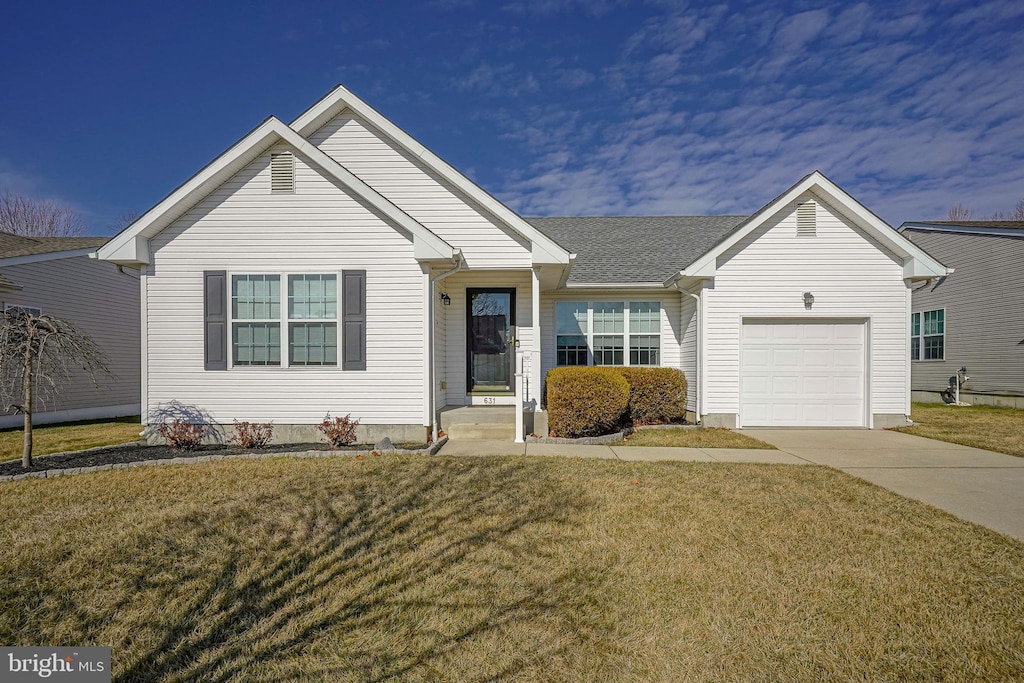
367 581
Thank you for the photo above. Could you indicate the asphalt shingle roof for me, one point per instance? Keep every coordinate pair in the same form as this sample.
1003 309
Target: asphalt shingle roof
18 245
624 249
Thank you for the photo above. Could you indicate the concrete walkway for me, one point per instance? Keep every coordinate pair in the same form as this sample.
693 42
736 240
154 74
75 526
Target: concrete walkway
980 486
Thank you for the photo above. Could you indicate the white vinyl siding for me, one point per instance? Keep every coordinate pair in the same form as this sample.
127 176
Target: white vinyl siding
243 229
100 301
410 185
849 275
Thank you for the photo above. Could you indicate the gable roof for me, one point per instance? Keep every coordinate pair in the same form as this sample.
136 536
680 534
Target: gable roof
131 245
633 249
1014 229
12 245
917 263
545 251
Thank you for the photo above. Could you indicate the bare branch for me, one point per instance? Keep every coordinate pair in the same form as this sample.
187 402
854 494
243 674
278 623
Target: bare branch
959 212
23 215
39 356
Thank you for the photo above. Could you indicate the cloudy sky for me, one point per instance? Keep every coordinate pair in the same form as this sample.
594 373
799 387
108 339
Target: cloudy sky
557 107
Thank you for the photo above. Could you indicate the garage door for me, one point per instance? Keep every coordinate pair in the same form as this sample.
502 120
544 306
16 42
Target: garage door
802 374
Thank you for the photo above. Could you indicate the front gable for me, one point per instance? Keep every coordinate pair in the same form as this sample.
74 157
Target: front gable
433 201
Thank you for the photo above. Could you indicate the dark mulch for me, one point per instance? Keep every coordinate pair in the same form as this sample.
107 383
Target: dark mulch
135 453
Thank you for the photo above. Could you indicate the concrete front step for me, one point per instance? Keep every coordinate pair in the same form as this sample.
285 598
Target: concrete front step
479 422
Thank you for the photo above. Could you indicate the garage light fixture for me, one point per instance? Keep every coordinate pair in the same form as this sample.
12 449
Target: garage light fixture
808 300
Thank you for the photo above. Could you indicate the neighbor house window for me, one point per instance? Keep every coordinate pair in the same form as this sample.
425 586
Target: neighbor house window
928 335
31 310
608 333
308 310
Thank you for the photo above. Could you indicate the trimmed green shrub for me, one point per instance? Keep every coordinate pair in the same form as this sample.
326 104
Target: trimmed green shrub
656 395
585 401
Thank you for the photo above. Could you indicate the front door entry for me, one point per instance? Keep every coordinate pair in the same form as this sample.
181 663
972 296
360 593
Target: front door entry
491 316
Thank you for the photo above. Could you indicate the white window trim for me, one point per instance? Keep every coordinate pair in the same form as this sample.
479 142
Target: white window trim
919 339
625 334
283 320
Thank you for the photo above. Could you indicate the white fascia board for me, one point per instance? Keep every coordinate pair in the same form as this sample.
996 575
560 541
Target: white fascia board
49 256
131 245
544 249
825 189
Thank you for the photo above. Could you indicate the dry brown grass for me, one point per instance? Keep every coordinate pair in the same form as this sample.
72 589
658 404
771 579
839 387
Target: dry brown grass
473 569
993 428
70 436
701 437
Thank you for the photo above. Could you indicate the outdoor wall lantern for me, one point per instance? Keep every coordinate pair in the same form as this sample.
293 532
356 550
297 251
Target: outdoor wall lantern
808 299
445 299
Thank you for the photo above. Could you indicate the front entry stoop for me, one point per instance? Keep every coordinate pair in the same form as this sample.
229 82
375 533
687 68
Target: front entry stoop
479 422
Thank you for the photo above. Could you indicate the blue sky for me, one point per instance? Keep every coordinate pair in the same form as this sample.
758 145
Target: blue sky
557 107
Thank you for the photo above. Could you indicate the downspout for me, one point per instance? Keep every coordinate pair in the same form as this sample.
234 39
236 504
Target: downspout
433 351
699 349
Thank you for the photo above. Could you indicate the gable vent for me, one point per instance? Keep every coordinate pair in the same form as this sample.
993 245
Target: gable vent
806 224
282 172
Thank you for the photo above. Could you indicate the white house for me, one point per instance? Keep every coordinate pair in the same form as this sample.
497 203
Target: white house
335 264
55 276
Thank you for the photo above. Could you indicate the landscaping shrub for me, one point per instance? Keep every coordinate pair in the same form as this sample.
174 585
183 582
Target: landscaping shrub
656 395
340 431
182 435
252 434
585 401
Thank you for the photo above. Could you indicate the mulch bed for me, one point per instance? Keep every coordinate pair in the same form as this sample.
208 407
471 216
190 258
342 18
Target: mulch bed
138 452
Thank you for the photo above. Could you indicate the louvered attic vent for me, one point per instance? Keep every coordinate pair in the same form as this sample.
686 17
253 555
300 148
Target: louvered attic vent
282 172
806 224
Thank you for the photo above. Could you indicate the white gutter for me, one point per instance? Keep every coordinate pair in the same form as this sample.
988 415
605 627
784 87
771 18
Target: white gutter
699 349
432 367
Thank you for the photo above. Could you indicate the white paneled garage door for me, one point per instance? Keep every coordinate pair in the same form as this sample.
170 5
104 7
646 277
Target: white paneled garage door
802 374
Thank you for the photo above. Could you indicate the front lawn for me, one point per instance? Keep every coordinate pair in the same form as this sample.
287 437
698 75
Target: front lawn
700 437
70 436
993 428
435 568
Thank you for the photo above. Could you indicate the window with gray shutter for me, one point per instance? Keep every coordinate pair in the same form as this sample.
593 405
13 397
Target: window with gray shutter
353 319
215 339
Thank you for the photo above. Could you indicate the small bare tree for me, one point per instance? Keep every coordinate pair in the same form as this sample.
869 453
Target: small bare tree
959 212
23 215
1018 212
38 356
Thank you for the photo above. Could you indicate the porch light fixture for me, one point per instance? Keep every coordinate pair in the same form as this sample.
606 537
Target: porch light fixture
445 299
808 299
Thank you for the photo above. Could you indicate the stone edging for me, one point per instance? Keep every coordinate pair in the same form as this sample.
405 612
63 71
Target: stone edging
50 474
604 439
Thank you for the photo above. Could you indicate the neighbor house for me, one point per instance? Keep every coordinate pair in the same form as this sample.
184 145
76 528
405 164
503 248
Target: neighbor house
335 264
56 276
973 318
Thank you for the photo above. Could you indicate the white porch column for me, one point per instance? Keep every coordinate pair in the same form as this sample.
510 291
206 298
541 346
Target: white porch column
519 379
428 349
535 369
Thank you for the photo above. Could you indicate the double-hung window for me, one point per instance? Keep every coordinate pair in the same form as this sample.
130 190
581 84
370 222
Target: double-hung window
928 335
307 308
608 333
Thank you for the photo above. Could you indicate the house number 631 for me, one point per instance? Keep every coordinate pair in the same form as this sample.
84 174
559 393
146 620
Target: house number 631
489 401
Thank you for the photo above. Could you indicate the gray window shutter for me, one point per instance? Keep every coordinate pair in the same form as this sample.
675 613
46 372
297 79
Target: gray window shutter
215 319
353 319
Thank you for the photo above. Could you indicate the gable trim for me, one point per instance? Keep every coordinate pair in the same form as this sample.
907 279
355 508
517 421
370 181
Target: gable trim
131 245
340 98
917 264
48 256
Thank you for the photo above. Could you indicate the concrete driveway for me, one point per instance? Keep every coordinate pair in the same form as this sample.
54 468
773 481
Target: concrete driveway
973 484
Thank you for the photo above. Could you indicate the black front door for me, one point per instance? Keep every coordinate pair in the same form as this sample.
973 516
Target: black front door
491 317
